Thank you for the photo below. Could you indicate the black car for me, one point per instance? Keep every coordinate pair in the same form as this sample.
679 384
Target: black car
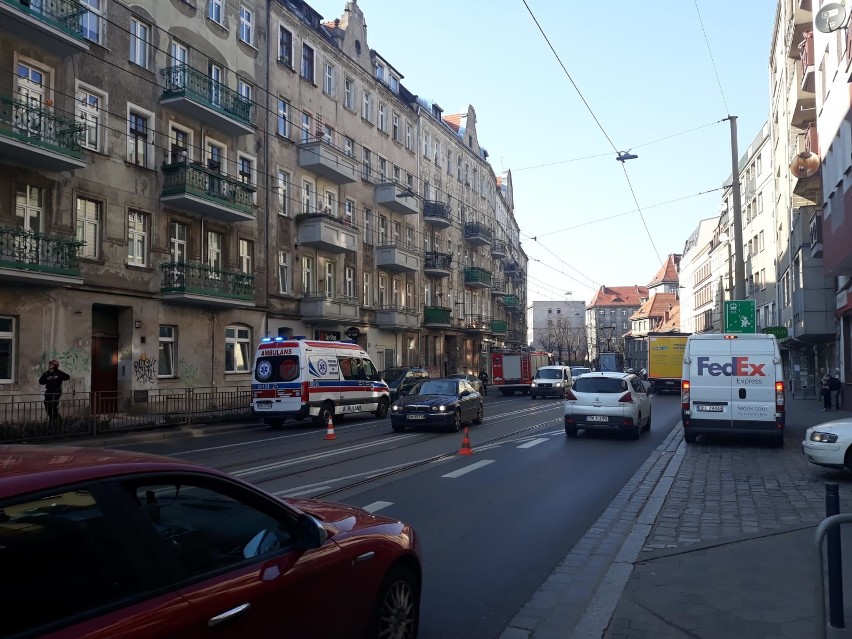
438 402
401 379
473 380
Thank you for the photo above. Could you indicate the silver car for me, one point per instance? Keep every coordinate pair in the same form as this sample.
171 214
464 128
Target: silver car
607 401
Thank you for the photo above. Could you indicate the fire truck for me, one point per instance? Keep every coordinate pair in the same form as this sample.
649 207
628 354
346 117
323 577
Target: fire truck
513 371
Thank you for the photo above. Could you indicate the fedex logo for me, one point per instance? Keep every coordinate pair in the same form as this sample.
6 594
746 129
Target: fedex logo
737 367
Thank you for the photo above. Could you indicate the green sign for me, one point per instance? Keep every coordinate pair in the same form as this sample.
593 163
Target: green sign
740 316
778 331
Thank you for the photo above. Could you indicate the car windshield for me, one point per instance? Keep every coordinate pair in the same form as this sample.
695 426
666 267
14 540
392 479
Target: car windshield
436 387
592 384
579 370
549 373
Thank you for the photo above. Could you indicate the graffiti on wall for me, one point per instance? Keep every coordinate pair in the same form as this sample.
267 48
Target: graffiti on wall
74 361
145 369
187 372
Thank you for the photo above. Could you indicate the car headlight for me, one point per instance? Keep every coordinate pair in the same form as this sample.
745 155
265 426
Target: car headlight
533 384
442 408
825 438
557 384
395 407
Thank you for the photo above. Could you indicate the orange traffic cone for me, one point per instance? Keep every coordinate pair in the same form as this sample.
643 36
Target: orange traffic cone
465 449
329 433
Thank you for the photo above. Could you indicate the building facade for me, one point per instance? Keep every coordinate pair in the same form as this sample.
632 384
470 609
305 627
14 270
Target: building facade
696 280
608 317
559 327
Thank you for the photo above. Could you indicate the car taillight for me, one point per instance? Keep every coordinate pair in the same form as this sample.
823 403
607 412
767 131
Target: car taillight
779 395
305 386
569 395
684 395
627 397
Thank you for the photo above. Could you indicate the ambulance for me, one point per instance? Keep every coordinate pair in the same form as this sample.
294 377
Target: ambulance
296 378
732 384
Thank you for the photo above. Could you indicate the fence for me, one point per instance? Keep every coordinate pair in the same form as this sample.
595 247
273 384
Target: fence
23 417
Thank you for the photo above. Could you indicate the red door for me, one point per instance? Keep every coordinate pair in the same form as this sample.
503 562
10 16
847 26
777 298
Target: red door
104 374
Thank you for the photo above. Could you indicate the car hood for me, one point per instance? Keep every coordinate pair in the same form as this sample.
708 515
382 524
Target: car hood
838 425
342 517
426 400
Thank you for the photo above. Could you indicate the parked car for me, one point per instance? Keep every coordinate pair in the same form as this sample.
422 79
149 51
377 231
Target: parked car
473 380
607 401
579 370
111 544
402 379
829 444
443 401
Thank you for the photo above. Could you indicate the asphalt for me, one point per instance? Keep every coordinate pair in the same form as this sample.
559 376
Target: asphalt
713 540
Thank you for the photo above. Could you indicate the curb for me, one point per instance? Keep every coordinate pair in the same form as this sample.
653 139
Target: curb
182 432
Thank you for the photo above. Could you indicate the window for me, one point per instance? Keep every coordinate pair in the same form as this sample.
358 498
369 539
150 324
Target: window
380 72
307 275
214 254
383 285
394 83
214 11
330 279
215 157
168 345
177 240
283 179
383 169
139 142
426 143
91 106
367 299
89 227
181 145
307 70
7 349
306 127
368 161
140 35
237 344
214 72
383 123
246 22
349 283
367 107
283 118
349 94
246 256
137 238
348 212
245 166
395 299
307 197
244 89
368 226
397 174
328 80
349 147
383 229
283 272
395 127
91 23
407 136
285 47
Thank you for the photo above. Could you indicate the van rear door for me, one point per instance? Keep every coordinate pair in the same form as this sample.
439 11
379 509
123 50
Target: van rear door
753 396
711 393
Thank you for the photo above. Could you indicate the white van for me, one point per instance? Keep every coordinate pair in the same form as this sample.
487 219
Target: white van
551 381
732 384
297 378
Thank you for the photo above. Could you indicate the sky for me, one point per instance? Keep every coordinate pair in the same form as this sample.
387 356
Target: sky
658 77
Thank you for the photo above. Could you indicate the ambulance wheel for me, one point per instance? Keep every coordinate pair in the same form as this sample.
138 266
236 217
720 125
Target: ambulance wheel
326 412
382 410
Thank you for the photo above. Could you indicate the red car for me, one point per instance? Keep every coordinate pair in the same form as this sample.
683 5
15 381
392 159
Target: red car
110 544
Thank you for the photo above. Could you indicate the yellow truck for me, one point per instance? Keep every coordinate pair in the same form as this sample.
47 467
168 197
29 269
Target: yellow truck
665 361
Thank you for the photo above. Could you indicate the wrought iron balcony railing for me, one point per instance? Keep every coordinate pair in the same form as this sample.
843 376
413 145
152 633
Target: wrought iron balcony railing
197 180
26 250
477 275
183 80
32 123
432 208
201 279
62 14
436 260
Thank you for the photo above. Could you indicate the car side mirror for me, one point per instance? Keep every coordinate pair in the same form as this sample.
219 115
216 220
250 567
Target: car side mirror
312 534
464 393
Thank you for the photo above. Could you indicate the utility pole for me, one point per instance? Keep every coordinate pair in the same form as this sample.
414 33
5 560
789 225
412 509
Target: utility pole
739 264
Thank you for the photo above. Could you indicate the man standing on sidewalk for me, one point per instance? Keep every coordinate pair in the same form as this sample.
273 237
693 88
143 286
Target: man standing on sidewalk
835 387
52 380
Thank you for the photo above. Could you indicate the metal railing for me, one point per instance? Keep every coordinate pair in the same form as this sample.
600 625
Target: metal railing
183 80
29 251
63 14
436 260
90 414
475 229
437 315
32 123
202 279
434 209
475 275
195 179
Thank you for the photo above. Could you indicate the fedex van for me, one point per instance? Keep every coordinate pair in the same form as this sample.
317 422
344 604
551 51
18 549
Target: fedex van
732 384
298 378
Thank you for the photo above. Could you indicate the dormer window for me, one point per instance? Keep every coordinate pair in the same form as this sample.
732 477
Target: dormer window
394 83
380 72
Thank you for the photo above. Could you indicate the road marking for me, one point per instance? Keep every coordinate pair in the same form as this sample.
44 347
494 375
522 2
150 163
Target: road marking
301 493
468 469
532 443
376 506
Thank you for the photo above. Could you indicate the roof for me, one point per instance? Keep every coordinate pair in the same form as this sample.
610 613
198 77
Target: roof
618 296
668 271
657 306
454 121
673 323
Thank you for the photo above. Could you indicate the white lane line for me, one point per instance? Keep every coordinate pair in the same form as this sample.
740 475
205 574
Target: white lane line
301 493
468 469
376 506
307 488
534 442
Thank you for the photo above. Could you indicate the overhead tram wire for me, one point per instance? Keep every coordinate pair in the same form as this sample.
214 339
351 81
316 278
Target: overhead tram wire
712 61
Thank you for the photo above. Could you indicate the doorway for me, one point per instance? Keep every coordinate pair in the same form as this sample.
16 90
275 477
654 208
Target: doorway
104 359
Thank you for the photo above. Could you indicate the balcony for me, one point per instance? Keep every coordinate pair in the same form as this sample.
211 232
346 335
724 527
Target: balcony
38 258
498 249
437 264
324 159
477 234
815 229
397 257
397 317
203 285
498 288
329 308
192 188
202 98
34 137
326 232
396 198
498 327
511 302
806 59
477 323
53 25
476 277
436 214
437 317
515 336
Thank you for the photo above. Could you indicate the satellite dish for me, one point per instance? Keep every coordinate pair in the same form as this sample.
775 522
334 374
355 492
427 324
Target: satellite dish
804 165
830 17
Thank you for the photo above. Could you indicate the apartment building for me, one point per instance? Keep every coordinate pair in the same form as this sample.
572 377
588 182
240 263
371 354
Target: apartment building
608 317
559 327
189 177
697 285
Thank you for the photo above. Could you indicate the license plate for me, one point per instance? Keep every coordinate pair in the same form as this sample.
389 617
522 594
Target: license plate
416 416
710 408
263 405
597 418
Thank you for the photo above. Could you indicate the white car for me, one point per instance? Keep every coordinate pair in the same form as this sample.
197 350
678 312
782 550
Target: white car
829 444
607 401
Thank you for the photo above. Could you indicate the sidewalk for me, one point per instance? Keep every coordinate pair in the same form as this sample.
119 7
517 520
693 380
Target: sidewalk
711 540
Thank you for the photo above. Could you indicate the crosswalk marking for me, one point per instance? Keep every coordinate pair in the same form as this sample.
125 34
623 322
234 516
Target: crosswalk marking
468 469
376 506
534 442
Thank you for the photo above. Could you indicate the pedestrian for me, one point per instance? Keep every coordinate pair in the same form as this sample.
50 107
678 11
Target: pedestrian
52 380
825 391
834 386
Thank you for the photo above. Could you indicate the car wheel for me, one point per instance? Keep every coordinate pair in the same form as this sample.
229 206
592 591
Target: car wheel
479 415
571 431
326 411
382 411
397 428
648 423
689 438
636 431
847 460
396 612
